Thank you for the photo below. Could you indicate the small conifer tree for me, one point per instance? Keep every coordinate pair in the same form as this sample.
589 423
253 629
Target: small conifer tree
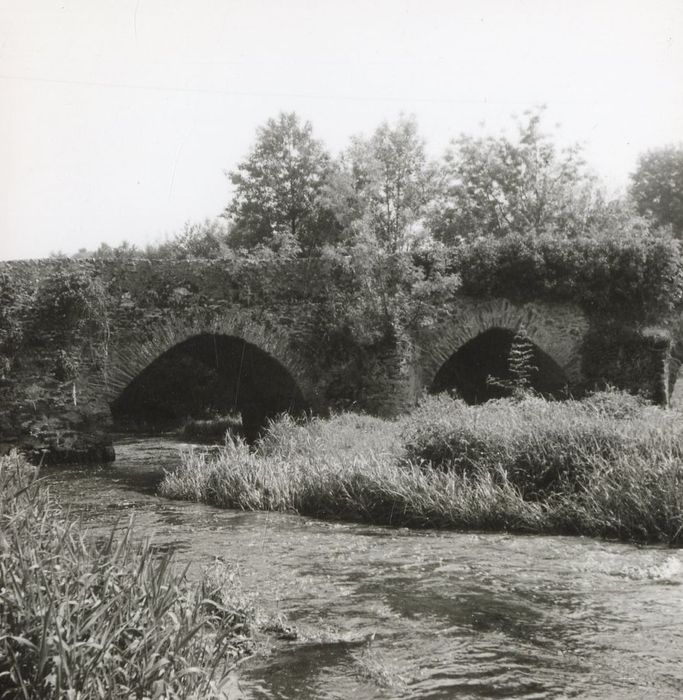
520 366
520 360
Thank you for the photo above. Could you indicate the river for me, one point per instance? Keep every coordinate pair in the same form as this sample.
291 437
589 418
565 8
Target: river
391 613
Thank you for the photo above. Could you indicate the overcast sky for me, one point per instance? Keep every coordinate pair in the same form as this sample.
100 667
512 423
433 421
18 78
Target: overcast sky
118 118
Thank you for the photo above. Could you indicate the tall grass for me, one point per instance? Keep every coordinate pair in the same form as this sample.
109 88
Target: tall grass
98 619
608 466
543 446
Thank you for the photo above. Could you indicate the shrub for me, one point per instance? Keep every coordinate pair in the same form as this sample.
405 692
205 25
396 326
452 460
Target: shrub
13 302
67 298
639 273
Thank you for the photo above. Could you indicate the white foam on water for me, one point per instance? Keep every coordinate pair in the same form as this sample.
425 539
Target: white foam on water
668 571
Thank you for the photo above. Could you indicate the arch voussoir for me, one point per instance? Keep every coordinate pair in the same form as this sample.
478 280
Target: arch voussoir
133 354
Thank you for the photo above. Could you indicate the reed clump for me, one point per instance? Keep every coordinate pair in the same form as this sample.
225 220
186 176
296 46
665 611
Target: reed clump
606 466
87 618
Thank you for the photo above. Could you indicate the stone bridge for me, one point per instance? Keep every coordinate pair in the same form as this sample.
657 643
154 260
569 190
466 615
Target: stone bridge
87 347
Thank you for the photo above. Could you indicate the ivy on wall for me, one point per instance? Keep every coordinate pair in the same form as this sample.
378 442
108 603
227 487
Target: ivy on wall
637 275
629 359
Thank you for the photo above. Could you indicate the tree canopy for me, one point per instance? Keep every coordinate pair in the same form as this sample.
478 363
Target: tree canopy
278 187
391 183
495 186
383 194
657 187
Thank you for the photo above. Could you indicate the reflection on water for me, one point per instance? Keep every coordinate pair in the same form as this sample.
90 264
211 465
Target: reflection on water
387 613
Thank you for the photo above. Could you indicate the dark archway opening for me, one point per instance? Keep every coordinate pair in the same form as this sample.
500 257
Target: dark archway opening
205 376
469 370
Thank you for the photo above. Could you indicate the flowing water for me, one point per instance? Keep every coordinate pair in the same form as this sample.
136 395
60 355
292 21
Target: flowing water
390 613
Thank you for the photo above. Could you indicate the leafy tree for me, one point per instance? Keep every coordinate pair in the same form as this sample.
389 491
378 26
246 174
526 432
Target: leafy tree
657 187
496 186
384 184
278 187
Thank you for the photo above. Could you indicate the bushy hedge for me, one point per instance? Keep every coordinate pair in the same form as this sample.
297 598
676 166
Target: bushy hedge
637 274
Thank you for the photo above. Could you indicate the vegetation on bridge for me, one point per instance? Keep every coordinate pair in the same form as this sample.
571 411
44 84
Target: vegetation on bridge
513 216
380 229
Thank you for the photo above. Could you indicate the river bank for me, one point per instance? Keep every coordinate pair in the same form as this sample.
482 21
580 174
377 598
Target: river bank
607 466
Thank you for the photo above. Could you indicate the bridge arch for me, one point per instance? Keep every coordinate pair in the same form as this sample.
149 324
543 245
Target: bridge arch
178 368
480 369
556 332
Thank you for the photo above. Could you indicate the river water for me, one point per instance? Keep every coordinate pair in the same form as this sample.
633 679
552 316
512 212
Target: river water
391 613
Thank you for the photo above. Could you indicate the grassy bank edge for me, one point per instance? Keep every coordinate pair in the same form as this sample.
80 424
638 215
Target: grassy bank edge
607 467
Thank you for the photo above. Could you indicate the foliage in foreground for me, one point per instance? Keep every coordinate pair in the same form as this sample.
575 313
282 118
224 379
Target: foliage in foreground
605 467
83 619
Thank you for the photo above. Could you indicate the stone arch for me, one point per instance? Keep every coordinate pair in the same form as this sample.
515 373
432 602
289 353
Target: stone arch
558 330
480 369
132 355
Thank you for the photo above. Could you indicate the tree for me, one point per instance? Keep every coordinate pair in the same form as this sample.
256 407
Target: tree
520 366
385 185
657 187
278 187
495 186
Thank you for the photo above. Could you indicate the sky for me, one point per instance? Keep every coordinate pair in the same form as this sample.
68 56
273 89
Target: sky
120 118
